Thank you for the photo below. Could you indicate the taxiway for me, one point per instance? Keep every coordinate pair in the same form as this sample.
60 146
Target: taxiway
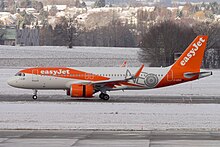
65 138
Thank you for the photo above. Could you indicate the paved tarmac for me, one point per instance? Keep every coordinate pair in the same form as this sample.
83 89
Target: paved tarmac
115 99
65 138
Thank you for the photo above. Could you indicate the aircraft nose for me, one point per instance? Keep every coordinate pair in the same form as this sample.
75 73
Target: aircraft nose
11 82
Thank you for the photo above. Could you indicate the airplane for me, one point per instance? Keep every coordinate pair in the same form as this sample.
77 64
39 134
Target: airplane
86 81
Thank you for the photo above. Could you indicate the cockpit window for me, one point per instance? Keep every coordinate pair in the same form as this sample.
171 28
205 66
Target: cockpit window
20 74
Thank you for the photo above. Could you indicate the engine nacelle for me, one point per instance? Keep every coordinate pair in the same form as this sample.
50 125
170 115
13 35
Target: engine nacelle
79 90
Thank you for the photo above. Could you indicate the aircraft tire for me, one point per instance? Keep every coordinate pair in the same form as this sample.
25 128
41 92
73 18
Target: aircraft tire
101 95
106 97
34 97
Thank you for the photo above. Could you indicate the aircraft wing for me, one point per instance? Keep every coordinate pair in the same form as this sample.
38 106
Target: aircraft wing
118 81
113 82
110 83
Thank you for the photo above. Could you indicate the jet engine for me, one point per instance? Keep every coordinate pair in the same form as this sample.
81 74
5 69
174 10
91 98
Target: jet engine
79 90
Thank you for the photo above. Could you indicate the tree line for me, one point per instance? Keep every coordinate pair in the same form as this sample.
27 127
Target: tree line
68 33
158 43
168 37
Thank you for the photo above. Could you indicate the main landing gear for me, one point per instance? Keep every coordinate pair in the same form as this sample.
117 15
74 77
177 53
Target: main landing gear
35 95
104 96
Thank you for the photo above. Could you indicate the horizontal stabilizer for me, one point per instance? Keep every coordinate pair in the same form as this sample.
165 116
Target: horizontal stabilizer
199 74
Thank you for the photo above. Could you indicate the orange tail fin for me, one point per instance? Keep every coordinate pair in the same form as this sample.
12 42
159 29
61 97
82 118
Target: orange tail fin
192 57
187 67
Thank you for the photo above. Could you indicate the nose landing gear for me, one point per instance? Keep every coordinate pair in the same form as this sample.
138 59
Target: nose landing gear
35 95
104 96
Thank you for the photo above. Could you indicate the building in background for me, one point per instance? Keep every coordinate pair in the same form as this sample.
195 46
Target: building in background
8 35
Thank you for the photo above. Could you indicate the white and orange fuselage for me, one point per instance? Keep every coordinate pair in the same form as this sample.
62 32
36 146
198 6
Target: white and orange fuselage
85 81
63 78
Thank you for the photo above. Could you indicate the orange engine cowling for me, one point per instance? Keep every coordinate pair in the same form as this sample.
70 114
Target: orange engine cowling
79 90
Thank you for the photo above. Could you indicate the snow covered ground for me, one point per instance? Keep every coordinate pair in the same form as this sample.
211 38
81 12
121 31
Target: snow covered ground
12 59
108 116
28 56
64 52
113 116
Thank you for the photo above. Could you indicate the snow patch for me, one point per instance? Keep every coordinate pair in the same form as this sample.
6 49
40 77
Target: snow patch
108 116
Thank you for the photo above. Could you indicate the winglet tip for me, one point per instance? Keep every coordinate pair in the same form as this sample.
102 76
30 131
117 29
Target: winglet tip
139 71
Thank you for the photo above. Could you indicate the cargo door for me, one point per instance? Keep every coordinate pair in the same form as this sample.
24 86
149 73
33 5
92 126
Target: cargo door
170 75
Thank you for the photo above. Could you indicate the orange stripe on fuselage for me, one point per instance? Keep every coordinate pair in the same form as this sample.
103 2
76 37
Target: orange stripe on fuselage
64 73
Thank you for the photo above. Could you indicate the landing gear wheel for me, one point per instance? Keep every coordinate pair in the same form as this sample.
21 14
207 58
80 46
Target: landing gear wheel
34 97
106 97
101 95
35 94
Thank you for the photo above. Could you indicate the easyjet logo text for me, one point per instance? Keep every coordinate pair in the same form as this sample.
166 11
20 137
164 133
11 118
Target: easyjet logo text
55 72
192 52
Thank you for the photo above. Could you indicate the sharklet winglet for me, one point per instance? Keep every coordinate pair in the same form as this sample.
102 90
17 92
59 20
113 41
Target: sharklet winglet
139 71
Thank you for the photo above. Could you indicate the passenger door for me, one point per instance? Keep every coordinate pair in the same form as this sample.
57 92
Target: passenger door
35 77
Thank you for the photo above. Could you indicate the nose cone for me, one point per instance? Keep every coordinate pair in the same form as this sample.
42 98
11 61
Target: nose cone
12 82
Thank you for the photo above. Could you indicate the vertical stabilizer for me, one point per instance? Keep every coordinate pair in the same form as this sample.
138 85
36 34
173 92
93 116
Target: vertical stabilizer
187 67
192 57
